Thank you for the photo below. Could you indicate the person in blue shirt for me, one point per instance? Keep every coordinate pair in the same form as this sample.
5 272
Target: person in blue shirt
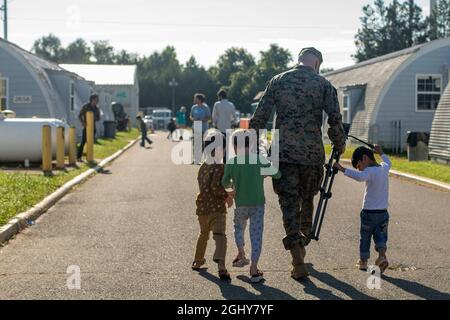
200 112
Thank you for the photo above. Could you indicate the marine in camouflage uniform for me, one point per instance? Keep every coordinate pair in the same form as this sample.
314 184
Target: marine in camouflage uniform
300 97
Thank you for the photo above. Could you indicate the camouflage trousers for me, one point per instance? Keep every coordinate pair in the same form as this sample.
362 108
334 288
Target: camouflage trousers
296 190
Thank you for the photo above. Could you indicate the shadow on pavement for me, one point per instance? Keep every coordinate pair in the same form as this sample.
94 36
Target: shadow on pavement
339 285
105 171
417 289
267 293
233 292
311 289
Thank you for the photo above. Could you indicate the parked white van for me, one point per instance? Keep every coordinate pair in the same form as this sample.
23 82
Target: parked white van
161 118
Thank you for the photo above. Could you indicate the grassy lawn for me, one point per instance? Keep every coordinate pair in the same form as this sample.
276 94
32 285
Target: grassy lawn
426 169
20 191
107 147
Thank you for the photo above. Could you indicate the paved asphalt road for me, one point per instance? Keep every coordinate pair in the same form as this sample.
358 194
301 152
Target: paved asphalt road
132 233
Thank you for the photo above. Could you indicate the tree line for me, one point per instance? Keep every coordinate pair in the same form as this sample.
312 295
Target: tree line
236 70
385 28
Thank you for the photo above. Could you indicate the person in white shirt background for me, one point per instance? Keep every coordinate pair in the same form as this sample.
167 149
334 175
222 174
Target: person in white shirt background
375 215
224 116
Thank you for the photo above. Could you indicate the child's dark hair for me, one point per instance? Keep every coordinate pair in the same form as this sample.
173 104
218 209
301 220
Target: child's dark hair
93 97
360 153
222 94
201 97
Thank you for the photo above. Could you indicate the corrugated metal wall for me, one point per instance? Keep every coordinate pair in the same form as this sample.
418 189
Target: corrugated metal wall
440 132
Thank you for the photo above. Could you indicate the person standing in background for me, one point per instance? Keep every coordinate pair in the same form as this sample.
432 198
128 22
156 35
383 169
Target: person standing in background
224 115
200 112
144 130
181 122
89 107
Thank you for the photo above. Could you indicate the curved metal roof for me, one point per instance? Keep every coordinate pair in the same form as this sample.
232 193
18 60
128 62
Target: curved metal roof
377 74
105 74
38 68
374 75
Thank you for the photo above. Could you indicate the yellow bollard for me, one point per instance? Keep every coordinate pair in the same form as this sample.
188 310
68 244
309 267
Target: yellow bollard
90 136
47 155
60 148
72 146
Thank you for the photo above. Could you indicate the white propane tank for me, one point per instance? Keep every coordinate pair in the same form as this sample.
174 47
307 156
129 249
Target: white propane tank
21 139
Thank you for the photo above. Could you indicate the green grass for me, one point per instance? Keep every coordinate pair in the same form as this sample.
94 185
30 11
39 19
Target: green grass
427 169
20 191
107 147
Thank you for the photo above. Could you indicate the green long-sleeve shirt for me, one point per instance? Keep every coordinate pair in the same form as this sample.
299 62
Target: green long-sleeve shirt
245 174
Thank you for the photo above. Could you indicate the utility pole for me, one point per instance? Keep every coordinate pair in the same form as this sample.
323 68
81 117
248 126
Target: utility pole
5 19
173 84
433 17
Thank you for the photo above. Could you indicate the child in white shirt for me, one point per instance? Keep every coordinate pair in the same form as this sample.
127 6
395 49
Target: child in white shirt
375 215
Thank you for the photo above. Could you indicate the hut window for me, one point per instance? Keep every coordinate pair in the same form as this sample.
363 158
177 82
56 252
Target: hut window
429 90
72 96
346 116
3 94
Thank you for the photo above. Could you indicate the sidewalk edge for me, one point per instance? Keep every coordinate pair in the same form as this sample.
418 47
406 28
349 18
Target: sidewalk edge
21 221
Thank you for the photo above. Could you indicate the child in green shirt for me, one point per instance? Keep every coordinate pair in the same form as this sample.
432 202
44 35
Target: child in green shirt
244 178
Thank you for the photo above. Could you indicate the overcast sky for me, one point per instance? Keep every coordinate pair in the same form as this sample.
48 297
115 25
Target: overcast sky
204 28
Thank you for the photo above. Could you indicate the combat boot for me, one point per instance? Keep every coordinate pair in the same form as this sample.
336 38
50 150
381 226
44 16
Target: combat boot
298 261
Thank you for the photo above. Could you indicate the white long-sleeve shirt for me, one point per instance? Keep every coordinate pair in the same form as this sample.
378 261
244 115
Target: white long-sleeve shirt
224 114
377 184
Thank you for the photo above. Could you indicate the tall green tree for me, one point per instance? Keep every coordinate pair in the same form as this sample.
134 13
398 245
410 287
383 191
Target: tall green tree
103 52
195 78
77 52
272 62
232 61
246 84
155 73
124 57
439 21
389 28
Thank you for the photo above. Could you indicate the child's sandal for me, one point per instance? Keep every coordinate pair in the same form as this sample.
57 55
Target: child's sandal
240 263
197 265
224 275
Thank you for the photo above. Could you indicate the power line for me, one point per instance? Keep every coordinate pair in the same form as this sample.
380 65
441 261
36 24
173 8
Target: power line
4 8
146 23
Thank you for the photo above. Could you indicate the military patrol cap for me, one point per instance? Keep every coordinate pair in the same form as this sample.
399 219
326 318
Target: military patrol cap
312 50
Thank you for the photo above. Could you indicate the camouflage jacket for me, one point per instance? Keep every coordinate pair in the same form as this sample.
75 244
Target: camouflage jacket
300 97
